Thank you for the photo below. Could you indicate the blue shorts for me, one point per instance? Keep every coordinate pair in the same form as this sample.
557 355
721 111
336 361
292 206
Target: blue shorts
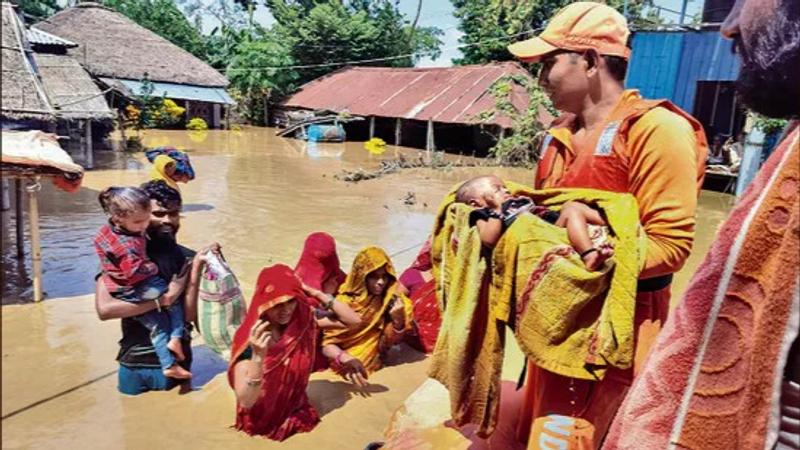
136 381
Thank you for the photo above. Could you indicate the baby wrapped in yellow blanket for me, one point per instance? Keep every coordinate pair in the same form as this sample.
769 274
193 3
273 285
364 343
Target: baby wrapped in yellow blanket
566 319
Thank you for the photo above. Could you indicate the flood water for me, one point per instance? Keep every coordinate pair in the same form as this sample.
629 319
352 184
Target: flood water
259 196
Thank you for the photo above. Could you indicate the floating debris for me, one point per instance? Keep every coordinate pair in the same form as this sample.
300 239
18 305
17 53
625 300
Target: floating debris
410 199
389 166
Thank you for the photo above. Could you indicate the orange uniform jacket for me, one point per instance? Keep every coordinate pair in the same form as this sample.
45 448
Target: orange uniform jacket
650 148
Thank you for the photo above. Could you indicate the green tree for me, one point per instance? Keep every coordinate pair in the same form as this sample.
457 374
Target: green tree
164 18
256 75
36 10
333 31
490 25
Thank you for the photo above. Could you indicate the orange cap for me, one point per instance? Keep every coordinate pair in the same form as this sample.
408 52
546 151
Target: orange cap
579 26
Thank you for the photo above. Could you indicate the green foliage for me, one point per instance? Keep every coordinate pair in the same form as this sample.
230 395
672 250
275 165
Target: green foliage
518 148
333 31
36 10
165 19
769 125
252 78
489 26
156 111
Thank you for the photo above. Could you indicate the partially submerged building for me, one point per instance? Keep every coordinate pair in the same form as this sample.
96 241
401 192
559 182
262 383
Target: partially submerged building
449 107
46 89
121 55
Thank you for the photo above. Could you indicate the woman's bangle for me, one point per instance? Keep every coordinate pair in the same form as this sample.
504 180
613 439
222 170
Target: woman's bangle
253 382
338 358
329 305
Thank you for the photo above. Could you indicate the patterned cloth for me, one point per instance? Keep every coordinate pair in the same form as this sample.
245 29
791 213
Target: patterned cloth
221 307
123 259
182 163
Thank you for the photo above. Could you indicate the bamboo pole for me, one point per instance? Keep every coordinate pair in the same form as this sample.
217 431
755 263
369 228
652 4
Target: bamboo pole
36 251
19 219
398 126
372 127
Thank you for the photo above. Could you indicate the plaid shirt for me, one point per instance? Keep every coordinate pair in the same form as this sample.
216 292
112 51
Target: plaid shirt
122 258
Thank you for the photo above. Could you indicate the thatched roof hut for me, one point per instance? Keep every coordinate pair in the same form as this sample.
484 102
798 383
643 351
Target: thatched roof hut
121 54
71 90
111 45
23 95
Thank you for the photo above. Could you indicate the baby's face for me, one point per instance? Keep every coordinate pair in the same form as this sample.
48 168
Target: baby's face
493 193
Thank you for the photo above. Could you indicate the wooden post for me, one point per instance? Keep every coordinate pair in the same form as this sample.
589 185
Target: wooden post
227 117
188 111
89 154
36 251
6 198
121 121
371 127
19 220
430 145
216 121
398 125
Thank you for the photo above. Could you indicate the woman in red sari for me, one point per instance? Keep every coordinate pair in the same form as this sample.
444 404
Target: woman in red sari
274 353
319 266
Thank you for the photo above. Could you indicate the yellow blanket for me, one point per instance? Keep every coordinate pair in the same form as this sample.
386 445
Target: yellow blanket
567 320
471 340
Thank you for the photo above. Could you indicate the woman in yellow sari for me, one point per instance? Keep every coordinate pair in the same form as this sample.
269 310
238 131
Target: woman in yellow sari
371 291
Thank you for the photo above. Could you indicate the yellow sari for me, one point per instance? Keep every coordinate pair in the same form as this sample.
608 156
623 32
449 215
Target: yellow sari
376 330
159 171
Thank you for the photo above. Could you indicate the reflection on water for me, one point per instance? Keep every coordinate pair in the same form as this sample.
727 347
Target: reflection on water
259 196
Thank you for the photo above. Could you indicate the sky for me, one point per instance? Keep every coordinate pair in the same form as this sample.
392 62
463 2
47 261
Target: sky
439 13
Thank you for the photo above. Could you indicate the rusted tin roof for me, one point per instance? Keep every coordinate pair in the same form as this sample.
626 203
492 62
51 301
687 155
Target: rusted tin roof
448 95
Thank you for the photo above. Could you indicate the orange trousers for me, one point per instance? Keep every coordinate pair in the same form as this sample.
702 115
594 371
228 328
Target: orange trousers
566 413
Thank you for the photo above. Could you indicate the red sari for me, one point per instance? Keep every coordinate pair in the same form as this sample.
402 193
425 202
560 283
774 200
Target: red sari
319 261
283 408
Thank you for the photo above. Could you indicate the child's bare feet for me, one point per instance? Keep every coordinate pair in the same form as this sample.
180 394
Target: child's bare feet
174 345
178 372
594 260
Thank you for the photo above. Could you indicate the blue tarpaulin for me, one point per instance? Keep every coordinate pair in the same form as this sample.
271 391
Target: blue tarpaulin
177 91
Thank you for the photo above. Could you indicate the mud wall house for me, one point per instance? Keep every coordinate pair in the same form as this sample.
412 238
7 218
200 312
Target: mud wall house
695 68
120 54
439 108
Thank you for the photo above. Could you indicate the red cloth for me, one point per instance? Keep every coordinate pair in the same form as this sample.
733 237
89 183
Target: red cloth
319 261
283 408
427 317
123 258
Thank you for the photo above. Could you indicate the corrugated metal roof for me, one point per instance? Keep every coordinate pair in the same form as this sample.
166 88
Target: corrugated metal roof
39 37
447 95
669 64
178 91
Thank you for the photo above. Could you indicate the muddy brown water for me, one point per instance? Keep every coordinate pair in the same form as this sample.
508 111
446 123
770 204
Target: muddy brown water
259 196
